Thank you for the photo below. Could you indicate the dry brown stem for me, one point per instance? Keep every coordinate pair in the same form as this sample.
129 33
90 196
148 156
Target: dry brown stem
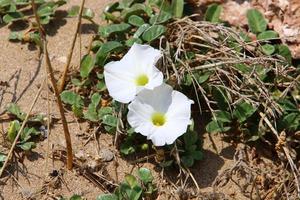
55 89
61 82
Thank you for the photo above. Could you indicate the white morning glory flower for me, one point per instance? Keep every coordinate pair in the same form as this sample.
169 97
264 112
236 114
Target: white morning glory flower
161 114
133 73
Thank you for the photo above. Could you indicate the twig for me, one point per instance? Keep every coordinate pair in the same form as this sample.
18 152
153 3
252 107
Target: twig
286 151
55 89
62 80
21 130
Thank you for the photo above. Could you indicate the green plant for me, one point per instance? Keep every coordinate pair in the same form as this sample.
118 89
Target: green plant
12 11
133 188
27 135
258 25
192 148
73 197
2 159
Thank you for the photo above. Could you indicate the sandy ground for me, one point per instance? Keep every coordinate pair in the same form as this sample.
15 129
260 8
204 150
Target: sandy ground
19 66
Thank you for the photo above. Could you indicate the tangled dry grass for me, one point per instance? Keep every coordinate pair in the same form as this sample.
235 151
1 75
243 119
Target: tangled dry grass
220 51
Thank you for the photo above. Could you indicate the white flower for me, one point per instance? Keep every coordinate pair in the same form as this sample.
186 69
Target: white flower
161 114
134 72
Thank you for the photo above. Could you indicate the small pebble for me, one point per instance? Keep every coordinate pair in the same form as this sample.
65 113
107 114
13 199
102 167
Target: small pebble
106 155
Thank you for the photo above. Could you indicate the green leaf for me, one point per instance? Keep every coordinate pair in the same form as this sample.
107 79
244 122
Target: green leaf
107 197
112 7
27 146
216 127
88 13
127 148
267 35
73 11
187 80
220 96
77 110
76 197
4 3
177 7
92 114
86 66
15 110
212 13
14 127
160 17
285 52
45 19
242 68
243 111
131 180
154 32
104 111
133 40
223 116
44 11
96 44
125 3
15 36
105 49
110 120
136 20
101 86
187 160
201 78
106 31
288 106
136 9
2 159
145 175
71 98
197 155
256 21
290 121
268 49
13 16
96 97
245 37
141 30
190 138
162 5
27 133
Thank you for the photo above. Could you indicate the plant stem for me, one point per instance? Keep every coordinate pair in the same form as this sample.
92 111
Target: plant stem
61 82
55 89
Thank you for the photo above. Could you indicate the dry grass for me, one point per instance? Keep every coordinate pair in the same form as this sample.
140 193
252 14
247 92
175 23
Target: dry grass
214 52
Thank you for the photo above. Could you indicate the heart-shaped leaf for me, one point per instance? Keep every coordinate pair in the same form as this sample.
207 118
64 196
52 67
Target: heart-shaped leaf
153 32
86 66
256 21
212 13
136 20
267 35
105 31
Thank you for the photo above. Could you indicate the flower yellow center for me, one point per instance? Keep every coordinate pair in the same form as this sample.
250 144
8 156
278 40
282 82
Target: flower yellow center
158 119
142 80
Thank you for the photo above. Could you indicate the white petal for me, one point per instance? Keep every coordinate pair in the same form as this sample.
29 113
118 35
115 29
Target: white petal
119 81
180 107
159 98
139 117
155 78
144 56
168 133
177 120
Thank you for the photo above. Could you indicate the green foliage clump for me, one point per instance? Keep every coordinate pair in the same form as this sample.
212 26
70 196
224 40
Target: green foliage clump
26 140
17 10
134 187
